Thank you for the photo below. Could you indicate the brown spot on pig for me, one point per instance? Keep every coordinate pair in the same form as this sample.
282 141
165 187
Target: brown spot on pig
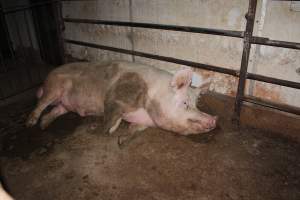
111 70
127 95
131 89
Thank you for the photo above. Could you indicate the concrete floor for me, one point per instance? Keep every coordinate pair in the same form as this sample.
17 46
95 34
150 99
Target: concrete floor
67 162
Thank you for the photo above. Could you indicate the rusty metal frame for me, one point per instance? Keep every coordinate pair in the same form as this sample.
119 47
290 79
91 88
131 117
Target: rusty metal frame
27 7
250 16
57 7
241 74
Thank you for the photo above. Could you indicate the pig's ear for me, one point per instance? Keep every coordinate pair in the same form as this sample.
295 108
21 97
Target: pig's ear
182 79
205 87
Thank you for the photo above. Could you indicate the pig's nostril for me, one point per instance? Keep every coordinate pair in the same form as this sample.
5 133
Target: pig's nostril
216 118
213 122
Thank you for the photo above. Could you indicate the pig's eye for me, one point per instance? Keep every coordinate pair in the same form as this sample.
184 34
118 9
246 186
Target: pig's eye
186 105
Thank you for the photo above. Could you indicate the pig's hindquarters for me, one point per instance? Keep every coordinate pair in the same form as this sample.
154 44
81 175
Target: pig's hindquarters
67 92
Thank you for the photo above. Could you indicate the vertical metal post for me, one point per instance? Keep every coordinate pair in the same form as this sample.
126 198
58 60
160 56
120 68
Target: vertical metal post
38 34
250 16
19 36
57 10
30 58
3 21
2 64
131 29
28 29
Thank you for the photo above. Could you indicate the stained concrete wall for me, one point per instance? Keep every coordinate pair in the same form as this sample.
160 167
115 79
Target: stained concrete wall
274 19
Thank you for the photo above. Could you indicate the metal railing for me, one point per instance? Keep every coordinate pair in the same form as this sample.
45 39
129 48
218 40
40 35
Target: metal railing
23 57
241 74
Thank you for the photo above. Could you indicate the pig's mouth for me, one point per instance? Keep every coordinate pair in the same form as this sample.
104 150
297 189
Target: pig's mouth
203 126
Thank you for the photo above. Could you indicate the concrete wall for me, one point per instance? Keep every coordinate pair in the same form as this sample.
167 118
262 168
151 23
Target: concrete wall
275 20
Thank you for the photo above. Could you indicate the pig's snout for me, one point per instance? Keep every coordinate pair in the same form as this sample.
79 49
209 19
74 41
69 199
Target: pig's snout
211 122
205 124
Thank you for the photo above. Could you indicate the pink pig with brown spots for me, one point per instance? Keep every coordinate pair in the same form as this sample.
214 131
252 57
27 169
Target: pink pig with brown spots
142 95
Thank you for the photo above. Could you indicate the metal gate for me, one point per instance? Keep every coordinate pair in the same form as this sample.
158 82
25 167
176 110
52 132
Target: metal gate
29 43
241 74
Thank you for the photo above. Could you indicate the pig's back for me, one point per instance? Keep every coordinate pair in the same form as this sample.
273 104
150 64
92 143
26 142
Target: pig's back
157 80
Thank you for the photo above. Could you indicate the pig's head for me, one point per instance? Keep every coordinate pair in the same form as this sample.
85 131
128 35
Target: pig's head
180 110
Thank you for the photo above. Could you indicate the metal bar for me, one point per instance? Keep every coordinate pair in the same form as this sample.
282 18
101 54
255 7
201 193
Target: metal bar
19 36
277 106
4 23
29 59
275 43
131 30
77 0
276 81
250 16
38 35
1 93
157 57
238 34
3 67
57 10
28 29
26 7
192 64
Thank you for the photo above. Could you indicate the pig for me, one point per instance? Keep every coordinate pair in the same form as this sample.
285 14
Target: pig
142 95
3 194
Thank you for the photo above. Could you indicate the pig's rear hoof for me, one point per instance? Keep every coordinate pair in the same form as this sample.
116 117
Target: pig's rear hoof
123 141
44 125
93 128
31 121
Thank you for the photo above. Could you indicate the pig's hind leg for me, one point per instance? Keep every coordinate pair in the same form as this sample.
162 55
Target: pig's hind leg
52 115
47 98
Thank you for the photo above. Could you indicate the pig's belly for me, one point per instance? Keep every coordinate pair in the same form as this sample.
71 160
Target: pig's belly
140 117
83 106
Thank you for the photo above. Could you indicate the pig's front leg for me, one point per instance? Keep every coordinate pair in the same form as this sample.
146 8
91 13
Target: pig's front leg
112 117
128 94
130 134
110 121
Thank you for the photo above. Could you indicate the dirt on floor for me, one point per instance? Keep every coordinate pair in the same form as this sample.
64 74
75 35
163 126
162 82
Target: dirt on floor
67 162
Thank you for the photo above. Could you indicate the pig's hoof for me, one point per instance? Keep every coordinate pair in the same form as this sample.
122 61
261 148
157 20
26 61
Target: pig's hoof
31 121
105 132
122 141
92 128
44 125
